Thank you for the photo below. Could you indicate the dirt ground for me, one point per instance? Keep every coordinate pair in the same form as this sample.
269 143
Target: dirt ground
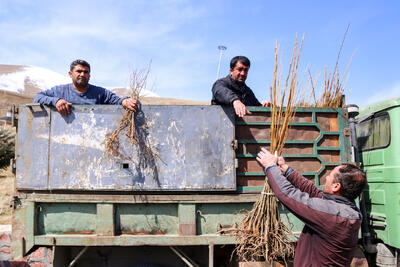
6 193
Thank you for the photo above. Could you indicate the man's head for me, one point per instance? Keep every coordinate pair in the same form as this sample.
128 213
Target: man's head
239 68
345 180
80 74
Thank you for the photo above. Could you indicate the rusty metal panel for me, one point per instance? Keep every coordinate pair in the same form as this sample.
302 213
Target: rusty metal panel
66 218
147 219
191 145
32 147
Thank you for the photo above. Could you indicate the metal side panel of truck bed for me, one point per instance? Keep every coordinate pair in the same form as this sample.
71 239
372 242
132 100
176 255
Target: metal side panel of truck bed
178 148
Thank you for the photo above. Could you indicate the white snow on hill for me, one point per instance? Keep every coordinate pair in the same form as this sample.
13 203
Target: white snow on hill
33 76
29 80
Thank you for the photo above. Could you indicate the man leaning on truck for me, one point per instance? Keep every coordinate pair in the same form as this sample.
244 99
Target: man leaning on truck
331 217
80 92
232 90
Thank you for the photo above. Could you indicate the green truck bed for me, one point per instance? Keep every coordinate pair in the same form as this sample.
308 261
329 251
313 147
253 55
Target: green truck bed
53 209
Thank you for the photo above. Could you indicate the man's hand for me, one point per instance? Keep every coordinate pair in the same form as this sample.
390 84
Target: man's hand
265 158
130 103
282 164
240 108
266 103
63 106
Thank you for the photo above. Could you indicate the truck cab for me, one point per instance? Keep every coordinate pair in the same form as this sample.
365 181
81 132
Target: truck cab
378 131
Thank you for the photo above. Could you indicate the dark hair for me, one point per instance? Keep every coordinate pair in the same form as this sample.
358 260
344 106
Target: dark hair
351 179
79 62
245 61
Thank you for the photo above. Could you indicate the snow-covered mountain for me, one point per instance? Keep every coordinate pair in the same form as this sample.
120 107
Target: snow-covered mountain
27 81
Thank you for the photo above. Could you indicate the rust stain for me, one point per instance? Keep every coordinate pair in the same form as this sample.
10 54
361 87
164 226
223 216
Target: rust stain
226 226
187 229
153 232
78 233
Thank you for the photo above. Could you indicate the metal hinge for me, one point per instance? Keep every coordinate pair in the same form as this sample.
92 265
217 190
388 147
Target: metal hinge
14 116
234 144
14 202
345 113
347 131
13 165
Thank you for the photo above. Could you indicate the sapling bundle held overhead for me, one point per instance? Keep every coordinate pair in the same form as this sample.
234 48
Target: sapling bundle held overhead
262 235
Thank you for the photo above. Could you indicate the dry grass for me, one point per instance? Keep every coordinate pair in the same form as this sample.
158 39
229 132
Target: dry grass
6 192
7 179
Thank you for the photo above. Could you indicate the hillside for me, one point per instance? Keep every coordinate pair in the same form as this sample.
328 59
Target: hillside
19 84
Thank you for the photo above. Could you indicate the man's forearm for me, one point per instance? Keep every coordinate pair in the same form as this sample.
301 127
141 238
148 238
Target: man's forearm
44 99
225 97
223 94
111 98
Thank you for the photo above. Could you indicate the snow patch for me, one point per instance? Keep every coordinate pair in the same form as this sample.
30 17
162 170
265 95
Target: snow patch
43 79
36 76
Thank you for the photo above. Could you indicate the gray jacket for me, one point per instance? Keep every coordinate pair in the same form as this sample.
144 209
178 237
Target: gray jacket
331 223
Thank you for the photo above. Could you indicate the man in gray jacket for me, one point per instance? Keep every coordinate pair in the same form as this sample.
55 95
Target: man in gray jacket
331 217
232 90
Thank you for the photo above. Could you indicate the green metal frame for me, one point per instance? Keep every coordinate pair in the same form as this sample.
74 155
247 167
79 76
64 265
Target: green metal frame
343 148
163 220
55 219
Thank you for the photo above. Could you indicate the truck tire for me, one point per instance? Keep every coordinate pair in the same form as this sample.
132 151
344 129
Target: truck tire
387 256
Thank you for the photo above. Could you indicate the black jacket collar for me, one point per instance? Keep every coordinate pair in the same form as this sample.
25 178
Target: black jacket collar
238 85
340 199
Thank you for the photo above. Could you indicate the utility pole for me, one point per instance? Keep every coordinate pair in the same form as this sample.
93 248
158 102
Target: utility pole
220 48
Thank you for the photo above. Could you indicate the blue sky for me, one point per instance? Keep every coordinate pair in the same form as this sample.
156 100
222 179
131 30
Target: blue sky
181 39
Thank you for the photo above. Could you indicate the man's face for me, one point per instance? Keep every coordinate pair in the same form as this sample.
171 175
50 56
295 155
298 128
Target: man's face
331 186
239 72
80 76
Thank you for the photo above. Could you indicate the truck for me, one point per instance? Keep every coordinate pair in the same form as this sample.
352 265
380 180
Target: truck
171 204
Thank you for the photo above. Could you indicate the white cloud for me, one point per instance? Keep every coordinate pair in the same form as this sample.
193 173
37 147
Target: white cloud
113 36
132 23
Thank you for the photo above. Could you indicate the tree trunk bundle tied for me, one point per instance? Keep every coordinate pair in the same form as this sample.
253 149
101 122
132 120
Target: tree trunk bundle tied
262 235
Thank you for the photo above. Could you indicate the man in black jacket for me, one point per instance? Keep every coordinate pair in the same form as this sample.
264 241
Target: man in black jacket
232 89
